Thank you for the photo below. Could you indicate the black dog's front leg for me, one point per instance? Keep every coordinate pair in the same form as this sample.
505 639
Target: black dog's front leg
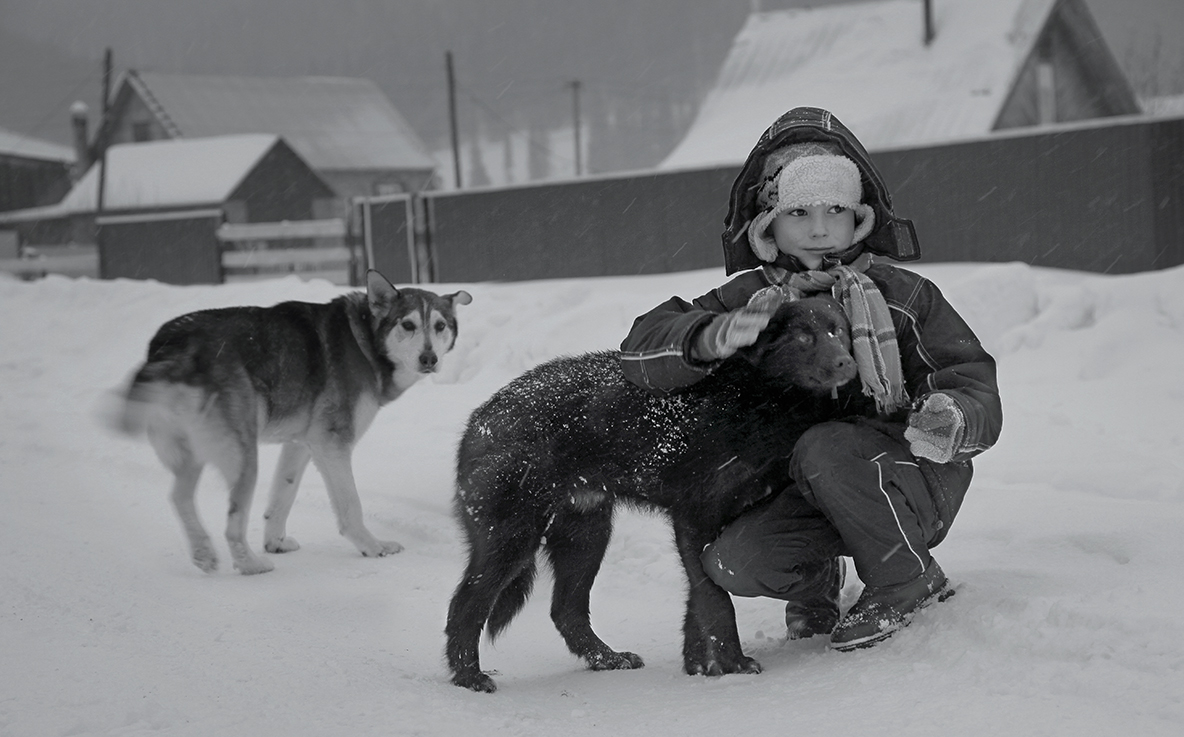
711 643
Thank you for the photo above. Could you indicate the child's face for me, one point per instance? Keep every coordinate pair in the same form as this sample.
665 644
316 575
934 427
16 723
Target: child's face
811 232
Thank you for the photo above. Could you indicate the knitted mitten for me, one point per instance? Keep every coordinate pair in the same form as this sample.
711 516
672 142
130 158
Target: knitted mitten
935 429
731 331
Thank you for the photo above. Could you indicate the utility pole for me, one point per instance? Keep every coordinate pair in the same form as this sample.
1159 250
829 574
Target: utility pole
575 117
101 136
452 118
927 9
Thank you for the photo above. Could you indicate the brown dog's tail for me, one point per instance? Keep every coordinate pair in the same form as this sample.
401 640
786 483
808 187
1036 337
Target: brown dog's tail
125 410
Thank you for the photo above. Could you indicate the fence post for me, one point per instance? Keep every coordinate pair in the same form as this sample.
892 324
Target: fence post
421 226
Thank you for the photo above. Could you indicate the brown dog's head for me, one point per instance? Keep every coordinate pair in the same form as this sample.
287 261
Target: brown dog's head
807 344
415 326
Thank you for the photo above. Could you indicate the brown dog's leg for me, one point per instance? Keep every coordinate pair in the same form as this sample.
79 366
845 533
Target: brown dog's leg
240 466
333 461
186 473
294 458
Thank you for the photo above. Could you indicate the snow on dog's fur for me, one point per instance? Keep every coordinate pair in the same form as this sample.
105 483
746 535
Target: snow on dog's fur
218 382
543 462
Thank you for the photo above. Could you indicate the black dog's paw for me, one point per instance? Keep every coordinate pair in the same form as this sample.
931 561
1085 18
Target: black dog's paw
747 665
713 667
479 682
613 660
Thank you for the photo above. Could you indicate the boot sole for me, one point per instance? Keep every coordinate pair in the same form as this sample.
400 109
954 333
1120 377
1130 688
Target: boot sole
863 643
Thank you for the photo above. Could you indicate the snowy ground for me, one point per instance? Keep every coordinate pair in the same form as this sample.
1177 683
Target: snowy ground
1066 554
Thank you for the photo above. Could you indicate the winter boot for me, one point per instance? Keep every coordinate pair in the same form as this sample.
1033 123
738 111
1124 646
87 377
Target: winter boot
881 612
817 612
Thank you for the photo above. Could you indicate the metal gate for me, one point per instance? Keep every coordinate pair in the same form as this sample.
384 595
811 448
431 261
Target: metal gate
392 237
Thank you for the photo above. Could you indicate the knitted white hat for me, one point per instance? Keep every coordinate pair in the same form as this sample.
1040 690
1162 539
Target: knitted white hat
805 174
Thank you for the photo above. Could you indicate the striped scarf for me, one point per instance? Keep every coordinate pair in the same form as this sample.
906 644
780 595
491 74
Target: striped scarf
873 337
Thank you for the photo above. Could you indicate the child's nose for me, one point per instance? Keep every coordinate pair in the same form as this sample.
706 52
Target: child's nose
818 224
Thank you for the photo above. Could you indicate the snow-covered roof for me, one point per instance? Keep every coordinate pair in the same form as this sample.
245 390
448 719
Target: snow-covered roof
866 62
161 174
16 144
334 123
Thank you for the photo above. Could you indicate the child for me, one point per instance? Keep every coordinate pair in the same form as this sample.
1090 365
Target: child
882 481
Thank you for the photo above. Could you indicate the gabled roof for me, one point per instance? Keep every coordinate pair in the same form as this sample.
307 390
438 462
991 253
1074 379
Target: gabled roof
866 62
16 144
162 174
333 123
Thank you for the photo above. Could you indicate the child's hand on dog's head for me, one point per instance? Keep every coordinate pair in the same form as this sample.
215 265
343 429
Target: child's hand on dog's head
731 331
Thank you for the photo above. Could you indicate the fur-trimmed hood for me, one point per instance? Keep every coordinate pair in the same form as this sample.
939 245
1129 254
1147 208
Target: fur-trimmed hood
892 237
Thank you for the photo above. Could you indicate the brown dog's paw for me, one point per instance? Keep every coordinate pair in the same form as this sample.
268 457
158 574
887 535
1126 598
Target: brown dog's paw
282 545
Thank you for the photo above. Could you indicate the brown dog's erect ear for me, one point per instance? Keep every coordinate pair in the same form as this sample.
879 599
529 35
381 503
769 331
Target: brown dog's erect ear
459 298
379 291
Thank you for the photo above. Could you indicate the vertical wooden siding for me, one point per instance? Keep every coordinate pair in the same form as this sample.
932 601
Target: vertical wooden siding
1108 199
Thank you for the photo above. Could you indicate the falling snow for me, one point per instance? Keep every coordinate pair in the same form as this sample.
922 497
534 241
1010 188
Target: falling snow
1066 553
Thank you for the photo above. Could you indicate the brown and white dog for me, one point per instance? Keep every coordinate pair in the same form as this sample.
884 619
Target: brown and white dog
218 382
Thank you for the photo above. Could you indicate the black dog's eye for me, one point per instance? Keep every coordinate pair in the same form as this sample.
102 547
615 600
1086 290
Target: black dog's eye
805 338
408 326
838 332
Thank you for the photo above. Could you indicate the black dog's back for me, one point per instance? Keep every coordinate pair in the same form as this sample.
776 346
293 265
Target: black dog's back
542 462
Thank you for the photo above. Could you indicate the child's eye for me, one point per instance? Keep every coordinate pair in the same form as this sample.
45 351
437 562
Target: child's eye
837 210
797 212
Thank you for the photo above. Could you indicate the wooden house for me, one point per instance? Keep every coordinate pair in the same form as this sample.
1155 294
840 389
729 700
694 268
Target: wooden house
345 128
910 72
32 172
158 206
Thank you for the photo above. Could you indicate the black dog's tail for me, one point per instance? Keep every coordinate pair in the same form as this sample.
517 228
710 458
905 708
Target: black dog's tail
511 599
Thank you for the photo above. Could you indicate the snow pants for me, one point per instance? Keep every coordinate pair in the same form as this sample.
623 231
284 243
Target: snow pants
857 491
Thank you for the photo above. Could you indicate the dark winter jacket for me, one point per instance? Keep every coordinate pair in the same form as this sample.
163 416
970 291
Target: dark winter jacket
938 350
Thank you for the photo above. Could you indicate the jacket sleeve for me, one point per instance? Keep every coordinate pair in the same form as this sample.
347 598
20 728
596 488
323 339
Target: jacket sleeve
942 354
656 354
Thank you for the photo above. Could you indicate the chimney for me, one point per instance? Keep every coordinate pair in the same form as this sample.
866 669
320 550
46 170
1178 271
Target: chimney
928 10
78 112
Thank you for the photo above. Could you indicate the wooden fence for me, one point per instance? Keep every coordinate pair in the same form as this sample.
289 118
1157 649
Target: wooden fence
1105 196
311 249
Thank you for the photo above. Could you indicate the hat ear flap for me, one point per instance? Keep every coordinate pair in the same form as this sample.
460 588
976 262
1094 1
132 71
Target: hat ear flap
865 222
764 247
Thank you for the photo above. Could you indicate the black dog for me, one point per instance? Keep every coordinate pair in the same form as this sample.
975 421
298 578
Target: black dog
542 462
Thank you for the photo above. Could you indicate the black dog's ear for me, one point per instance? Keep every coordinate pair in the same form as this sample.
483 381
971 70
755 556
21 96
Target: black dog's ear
777 324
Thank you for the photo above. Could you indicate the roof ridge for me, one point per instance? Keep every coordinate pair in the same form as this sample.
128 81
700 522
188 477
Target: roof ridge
154 105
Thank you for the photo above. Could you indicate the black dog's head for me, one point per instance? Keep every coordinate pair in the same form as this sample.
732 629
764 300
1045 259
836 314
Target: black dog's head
807 344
